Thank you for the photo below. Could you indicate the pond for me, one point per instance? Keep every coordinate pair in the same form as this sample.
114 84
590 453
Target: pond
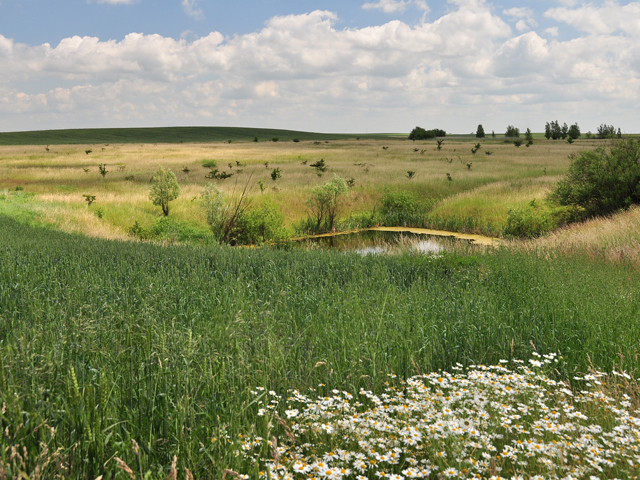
392 239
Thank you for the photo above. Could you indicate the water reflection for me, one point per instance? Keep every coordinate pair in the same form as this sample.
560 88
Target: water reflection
379 242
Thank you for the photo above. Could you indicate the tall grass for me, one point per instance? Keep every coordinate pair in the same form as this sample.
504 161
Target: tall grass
105 343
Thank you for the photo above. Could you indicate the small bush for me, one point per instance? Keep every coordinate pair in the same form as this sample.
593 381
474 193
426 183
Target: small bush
296 140
403 208
275 139
259 225
276 173
528 222
209 163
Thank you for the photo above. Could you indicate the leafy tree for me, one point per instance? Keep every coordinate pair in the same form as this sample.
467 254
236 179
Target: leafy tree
512 131
574 131
606 131
164 189
325 201
602 181
547 130
564 131
420 133
480 132
528 136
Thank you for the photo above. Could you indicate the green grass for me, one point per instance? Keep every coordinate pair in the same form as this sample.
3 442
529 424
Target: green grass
109 342
166 135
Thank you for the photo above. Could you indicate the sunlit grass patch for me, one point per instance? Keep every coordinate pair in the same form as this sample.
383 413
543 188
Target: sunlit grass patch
477 422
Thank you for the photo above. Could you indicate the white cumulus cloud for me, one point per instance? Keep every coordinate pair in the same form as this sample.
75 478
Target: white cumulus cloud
390 6
191 8
606 19
303 72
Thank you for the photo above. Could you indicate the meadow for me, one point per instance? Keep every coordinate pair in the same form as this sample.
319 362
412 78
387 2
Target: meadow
464 192
183 358
145 352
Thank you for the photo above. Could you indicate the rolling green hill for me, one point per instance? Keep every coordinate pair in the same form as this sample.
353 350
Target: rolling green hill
165 135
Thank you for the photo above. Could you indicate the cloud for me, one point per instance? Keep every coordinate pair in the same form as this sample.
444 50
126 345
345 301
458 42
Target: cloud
524 16
191 8
391 6
302 71
607 19
116 2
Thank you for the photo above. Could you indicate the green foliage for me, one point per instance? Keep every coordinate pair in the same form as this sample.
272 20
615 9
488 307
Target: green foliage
260 224
518 143
88 151
320 167
168 230
439 144
164 189
296 140
351 182
420 133
163 344
89 199
512 131
99 212
528 222
480 132
275 139
411 174
475 148
276 173
574 131
528 136
218 175
324 204
209 163
602 181
403 209
607 131
547 131
102 168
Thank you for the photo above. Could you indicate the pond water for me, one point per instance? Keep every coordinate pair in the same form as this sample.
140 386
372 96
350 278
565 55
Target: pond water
389 239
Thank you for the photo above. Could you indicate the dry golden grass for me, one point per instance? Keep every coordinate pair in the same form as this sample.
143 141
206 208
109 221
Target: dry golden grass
615 238
58 179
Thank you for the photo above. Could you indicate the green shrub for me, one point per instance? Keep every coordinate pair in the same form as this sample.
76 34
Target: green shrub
325 203
602 181
528 222
260 224
404 209
209 164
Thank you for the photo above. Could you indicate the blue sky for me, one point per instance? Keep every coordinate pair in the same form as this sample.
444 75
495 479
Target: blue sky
348 66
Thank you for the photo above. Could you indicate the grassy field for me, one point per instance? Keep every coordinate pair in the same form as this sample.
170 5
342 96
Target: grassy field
468 192
163 135
104 343
122 359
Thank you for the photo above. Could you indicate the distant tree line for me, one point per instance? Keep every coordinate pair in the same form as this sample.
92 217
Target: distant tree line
553 130
420 133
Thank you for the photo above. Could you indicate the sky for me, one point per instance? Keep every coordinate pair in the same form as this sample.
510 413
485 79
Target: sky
328 66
